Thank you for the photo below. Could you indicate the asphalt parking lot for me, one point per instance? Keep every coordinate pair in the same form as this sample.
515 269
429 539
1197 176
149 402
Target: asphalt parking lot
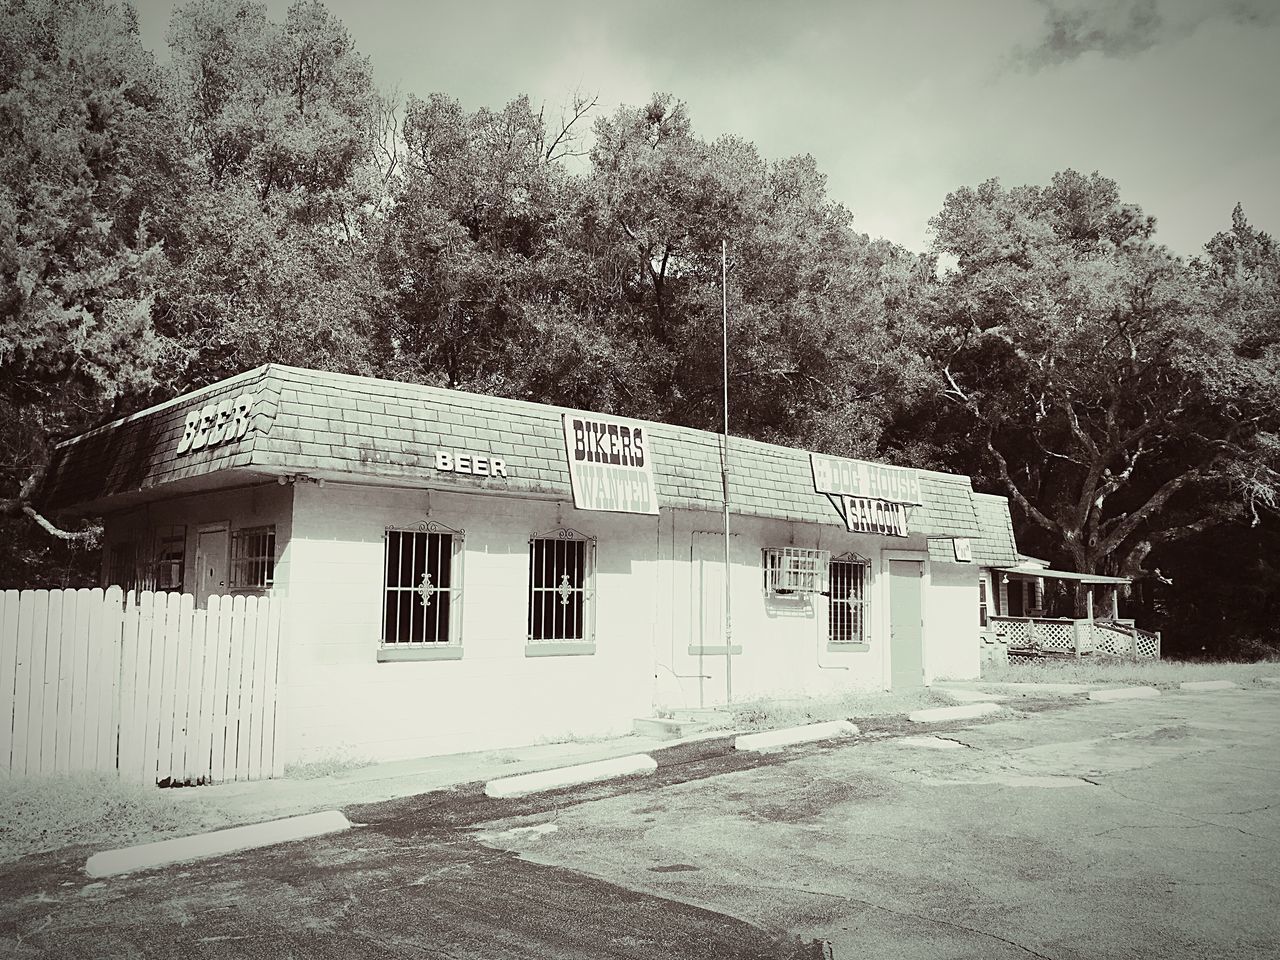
1138 829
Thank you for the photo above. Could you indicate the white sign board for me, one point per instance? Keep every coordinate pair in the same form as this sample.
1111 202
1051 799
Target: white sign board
839 476
963 549
610 467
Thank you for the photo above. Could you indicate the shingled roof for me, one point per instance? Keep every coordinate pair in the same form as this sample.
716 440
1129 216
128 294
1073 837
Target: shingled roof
336 426
995 544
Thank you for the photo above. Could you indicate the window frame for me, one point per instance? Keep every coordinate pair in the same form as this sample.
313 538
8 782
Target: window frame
859 609
584 644
238 564
162 536
450 648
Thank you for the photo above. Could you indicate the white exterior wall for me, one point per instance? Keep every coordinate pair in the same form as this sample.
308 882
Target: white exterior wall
338 699
780 644
952 642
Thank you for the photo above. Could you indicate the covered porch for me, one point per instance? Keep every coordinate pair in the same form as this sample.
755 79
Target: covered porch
1025 627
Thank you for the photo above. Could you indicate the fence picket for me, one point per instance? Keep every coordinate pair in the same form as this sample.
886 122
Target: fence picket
244 734
257 677
130 738
108 633
59 667
218 718
35 681
49 693
204 630
155 686
74 721
8 673
181 689
170 645
235 669
273 758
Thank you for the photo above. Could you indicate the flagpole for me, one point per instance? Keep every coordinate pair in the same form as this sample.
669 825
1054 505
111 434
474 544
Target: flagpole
724 470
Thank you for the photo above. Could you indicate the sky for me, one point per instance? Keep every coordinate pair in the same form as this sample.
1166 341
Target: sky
899 101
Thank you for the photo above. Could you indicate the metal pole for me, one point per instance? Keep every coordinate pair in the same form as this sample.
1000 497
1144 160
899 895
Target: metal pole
724 470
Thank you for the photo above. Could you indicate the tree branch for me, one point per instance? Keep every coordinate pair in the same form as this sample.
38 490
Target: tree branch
1047 522
1157 500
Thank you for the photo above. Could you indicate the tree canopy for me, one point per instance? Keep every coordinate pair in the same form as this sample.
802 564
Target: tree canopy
257 198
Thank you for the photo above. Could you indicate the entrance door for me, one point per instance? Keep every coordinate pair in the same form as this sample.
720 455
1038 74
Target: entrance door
906 626
211 563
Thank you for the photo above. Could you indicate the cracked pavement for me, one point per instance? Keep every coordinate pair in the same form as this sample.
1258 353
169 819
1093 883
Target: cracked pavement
1134 829
1140 829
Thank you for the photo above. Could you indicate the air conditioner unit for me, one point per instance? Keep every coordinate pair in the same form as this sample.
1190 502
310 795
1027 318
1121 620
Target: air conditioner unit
791 571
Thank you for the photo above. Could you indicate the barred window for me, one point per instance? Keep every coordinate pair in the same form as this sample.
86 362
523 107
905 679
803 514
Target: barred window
421 591
122 565
847 599
561 587
170 557
253 558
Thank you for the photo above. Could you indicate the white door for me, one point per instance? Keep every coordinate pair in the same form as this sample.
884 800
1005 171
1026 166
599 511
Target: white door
906 626
211 563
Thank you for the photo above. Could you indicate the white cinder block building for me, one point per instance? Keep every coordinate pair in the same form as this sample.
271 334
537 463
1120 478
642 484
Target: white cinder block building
463 572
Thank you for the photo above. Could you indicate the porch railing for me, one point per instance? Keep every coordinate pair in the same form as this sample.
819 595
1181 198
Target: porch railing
1065 636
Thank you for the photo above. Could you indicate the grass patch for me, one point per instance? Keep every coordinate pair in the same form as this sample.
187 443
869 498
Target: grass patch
1155 673
51 812
771 714
330 766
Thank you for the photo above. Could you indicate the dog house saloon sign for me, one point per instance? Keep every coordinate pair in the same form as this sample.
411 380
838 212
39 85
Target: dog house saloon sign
870 497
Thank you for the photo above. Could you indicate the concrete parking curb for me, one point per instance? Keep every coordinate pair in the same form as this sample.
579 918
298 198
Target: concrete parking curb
1123 693
1270 681
769 739
969 711
215 843
638 764
1207 685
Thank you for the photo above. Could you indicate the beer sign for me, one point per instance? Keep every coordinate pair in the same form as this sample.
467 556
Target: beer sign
610 467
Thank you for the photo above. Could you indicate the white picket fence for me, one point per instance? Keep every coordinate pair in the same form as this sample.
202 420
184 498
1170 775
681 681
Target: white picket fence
146 686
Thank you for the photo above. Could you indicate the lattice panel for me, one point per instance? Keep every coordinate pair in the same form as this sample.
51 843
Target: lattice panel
1013 632
1111 643
1054 636
1148 645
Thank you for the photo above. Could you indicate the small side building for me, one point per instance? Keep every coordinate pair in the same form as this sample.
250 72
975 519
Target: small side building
464 572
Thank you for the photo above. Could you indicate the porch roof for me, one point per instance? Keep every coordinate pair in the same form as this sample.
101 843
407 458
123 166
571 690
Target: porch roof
1030 571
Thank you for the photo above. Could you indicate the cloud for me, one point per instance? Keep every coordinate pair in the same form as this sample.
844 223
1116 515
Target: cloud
1127 28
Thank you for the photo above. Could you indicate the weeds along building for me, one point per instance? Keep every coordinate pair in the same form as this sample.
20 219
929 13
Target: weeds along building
464 572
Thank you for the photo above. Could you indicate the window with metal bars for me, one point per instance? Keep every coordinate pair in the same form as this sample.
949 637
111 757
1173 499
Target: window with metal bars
253 558
561 587
421 591
847 599
122 566
169 559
